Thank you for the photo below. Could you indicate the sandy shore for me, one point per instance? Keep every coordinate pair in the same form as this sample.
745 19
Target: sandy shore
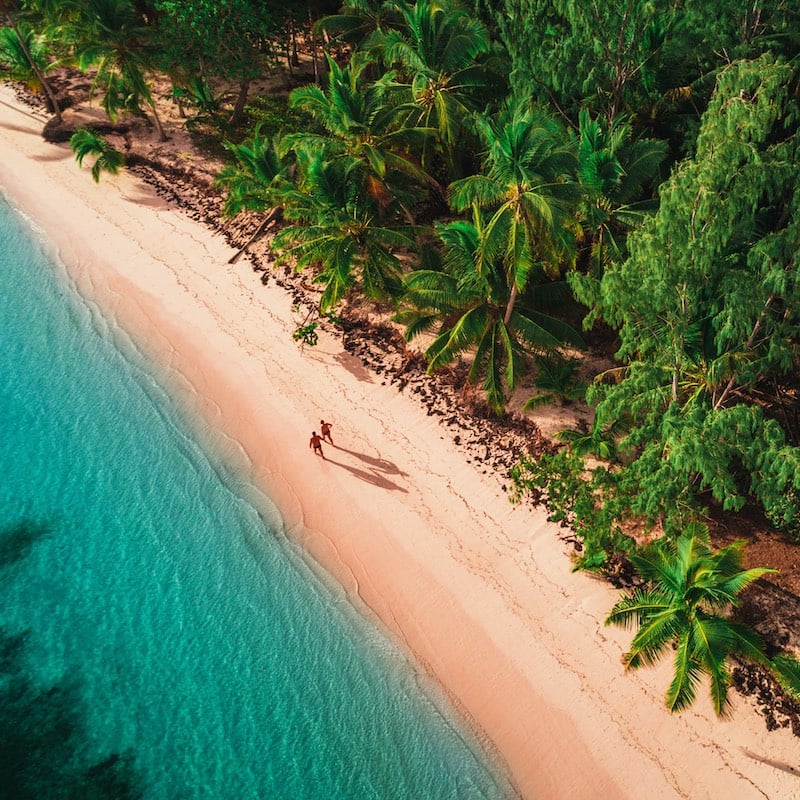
479 592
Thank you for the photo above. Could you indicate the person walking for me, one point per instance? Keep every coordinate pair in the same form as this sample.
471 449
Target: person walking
316 443
325 430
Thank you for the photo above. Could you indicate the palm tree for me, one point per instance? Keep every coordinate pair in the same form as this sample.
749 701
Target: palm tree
556 380
25 56
337 231
467 302
114 39
256 182
437 45
527 189
258 177
86 142
362 121
688 587
612 171
358 21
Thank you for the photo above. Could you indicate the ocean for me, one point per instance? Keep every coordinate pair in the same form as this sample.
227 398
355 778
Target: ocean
159 635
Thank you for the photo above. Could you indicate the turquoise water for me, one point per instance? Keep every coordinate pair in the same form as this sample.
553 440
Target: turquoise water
193 634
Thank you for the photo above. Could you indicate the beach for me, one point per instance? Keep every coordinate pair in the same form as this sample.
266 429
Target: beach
477 591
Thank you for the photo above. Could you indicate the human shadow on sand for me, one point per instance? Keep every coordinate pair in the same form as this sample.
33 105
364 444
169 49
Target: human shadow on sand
369 477
380 464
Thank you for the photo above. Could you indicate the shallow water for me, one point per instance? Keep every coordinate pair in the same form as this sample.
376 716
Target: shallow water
194 634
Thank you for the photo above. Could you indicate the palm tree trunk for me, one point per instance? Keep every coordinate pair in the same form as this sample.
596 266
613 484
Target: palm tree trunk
162 136
511 301
314 58
260 231
48 90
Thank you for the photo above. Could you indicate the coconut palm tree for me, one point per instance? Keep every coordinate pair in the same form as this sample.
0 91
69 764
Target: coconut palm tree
258 176
613 168
256 181
689 587
437 46
113 38
362 120
528 191
86 142
24 55
467 302
337 230
358 21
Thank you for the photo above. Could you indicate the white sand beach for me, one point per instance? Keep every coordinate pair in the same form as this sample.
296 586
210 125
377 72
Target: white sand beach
477 591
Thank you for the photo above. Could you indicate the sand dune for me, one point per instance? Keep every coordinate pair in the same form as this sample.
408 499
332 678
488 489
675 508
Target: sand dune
479 592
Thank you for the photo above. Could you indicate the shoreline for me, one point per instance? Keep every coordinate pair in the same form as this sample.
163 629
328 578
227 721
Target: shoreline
477 591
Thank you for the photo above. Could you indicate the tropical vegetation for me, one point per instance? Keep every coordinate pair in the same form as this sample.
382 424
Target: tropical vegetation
494 175
681 609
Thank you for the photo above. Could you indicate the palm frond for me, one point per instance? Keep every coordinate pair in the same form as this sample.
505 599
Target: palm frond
637 606
474 189
86 142
686 677
787 670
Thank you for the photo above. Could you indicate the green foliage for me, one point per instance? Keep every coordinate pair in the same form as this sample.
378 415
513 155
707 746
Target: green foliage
307 334
114 39
363 121
681 609
707 309
274 117
527 187
468 304
20 50
213 39
219 41
613 171
556 380
86 142
358 21
598 440
653 60
437 47
589 505
337 231
31 44
197 95
259 176
602 55
786 669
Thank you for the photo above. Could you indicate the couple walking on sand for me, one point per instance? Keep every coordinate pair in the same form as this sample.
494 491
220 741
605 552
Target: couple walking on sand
324 435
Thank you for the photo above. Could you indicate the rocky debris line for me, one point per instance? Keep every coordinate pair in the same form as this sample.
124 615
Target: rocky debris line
492 445
778 710
181 185
773 612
